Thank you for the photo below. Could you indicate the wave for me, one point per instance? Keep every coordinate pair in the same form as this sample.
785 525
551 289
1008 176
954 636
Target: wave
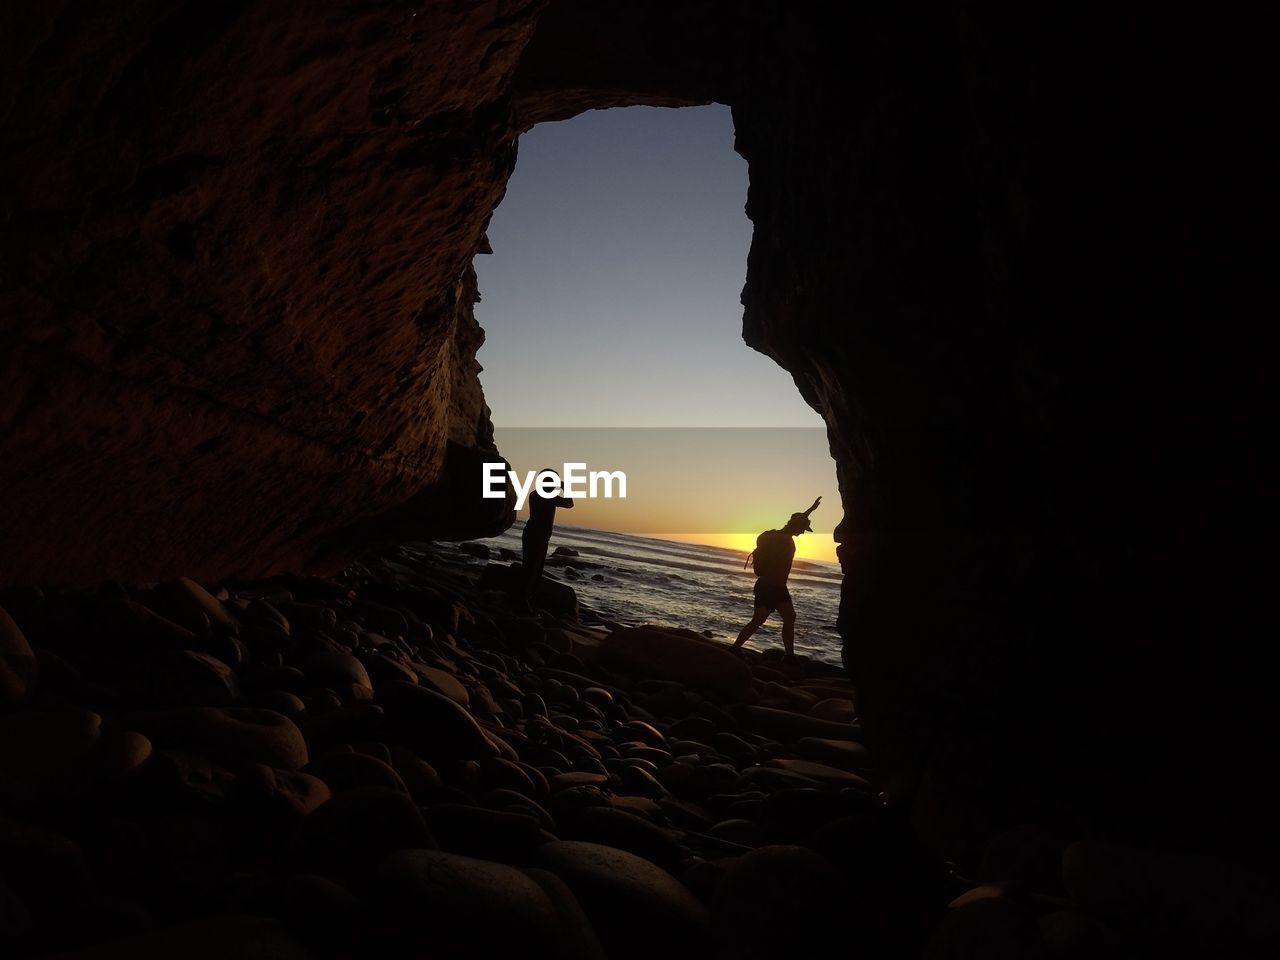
698 586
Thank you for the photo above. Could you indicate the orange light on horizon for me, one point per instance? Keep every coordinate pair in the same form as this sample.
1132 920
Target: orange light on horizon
809 546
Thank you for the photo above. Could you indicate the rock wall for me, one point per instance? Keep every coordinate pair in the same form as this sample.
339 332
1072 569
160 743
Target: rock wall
236 309
1004 251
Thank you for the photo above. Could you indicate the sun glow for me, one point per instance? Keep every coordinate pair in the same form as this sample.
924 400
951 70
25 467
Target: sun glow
809 546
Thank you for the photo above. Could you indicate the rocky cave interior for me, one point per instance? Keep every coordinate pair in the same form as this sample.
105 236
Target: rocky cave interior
237 338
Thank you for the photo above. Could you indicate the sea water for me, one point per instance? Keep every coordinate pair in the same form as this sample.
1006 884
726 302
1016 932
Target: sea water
634 579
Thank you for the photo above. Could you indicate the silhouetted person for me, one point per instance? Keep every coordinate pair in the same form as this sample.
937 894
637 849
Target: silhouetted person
537 537
771 560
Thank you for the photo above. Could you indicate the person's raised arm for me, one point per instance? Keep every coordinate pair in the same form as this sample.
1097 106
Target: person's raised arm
564 503
814 507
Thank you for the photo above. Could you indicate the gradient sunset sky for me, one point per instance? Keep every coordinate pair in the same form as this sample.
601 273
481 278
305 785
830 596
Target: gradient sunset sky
612 301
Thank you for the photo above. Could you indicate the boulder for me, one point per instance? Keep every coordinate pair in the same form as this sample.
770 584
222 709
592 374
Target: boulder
558 599
686 659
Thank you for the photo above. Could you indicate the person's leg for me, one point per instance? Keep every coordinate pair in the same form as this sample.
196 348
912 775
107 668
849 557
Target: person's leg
757 618
788 627
535 559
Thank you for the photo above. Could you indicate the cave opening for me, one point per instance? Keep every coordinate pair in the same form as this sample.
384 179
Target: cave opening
611 303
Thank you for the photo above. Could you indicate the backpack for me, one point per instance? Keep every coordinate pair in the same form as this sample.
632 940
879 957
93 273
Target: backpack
763 557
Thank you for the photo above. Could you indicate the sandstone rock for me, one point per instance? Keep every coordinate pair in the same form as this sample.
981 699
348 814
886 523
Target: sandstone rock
18 669
693 661
637 909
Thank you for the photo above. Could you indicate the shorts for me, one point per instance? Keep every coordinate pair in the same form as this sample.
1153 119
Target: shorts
771 597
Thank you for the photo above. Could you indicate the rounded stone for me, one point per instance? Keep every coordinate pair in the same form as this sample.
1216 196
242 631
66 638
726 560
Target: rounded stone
433 903
638 909
622 830
355 829
433 725
350 771
234 736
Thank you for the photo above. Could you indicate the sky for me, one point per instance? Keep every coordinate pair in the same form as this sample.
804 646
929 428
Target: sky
612 300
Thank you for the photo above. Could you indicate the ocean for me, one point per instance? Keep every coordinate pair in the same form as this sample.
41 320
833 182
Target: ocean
635 579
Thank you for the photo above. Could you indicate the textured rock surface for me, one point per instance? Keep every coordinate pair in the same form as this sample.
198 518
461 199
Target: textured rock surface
236 288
